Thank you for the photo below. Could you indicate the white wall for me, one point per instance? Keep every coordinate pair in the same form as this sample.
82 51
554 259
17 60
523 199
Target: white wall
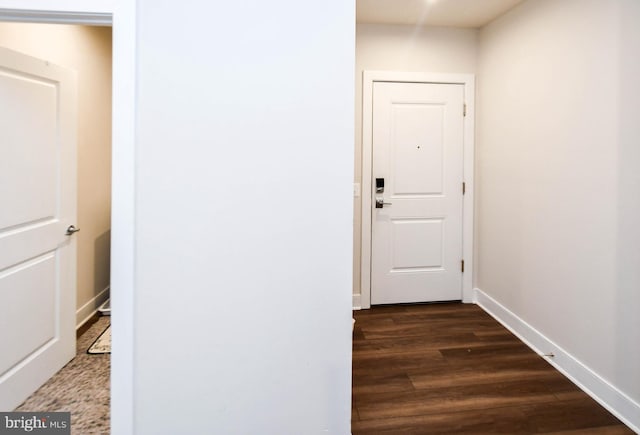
243 219
86 50
557 185
404 48
627 284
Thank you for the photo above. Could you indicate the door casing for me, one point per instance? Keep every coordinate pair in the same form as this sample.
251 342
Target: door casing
121 15
468 81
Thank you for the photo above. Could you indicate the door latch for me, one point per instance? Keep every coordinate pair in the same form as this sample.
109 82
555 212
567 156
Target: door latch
380 203
71 229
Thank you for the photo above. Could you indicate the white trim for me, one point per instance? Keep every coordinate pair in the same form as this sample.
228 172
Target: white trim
123 19
87 311
356 304
468 81
123 218
605 393
56 17
105 308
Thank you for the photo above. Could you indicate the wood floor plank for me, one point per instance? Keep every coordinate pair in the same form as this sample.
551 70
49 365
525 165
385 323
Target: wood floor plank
468 397
427 344
399 362
451 368
465 376
580 414
506 421
603 430
427 341
381 383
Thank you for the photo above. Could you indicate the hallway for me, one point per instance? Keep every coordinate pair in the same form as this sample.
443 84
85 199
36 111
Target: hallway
451 368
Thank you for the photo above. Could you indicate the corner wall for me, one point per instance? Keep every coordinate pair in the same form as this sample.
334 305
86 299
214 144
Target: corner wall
86 50
557 183
381 47
244 169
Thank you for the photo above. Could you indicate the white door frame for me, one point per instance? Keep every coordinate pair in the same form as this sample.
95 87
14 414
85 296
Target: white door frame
468 81
121 15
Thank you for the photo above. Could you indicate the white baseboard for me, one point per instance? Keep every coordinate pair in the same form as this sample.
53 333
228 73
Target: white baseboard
609 396
356 304
85 312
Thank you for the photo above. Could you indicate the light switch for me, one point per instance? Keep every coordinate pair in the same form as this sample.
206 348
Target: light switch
356 190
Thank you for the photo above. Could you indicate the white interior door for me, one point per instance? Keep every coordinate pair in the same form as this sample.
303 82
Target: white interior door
416 240
37 205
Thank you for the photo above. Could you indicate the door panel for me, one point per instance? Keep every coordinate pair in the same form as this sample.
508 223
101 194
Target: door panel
35 279
38 197
28 142
417 244
417 235
417 168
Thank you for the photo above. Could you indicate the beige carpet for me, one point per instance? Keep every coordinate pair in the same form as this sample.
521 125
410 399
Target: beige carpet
81 387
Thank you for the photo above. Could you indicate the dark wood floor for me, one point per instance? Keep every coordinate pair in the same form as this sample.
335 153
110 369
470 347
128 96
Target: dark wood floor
451 368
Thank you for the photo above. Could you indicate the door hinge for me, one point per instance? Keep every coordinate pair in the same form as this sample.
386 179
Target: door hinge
464 187
464 109
462 266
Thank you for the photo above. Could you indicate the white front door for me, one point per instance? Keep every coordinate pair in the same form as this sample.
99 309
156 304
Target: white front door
416 241
37 205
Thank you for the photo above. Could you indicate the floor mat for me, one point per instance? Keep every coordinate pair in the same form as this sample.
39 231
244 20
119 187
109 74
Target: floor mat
102 343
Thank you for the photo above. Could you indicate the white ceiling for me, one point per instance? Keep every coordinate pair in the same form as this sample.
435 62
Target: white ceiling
456 13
